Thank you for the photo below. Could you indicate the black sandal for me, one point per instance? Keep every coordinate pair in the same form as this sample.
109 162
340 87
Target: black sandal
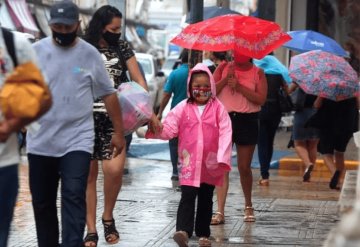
91 237
335 180
307 173
110 229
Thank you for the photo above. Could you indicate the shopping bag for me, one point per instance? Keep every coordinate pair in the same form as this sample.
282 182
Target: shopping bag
136 106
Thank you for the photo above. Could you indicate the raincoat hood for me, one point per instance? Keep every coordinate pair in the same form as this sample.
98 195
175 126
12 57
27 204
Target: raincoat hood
202 67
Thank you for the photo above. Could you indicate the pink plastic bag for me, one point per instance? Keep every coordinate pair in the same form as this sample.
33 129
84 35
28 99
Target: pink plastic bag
135 104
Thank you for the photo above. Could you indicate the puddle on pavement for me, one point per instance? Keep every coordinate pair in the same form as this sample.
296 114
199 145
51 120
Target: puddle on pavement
231 240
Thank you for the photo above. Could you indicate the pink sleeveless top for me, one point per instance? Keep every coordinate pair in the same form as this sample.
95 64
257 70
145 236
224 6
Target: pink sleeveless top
235 101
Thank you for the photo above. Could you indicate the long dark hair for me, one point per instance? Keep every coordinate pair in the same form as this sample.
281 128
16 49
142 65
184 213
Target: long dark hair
101 18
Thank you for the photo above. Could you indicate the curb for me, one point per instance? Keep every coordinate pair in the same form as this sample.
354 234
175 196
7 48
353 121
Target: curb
290 163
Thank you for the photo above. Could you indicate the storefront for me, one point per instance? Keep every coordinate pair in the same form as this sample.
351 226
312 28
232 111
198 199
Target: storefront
21 17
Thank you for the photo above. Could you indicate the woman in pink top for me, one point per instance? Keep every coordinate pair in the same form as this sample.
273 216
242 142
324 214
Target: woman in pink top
242 88
204 129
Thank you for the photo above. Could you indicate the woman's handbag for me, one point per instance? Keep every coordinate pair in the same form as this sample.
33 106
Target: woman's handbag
298 99
285 103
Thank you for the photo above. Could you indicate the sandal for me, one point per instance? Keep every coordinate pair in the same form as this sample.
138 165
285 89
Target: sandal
217 219
264 182
91 238
307 173
204 242
335 180
110 232
249 214
181 238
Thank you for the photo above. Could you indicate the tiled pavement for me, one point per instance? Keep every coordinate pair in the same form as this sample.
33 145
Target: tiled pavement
289 212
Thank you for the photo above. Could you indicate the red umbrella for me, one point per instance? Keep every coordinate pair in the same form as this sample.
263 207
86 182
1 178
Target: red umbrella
248 35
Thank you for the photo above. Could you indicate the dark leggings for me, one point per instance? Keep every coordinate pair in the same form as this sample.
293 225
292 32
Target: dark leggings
186 210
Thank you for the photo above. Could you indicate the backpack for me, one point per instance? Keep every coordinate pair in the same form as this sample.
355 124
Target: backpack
9 43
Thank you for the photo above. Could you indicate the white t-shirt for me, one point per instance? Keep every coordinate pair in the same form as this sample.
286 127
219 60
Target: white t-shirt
76 76
9 153
201 109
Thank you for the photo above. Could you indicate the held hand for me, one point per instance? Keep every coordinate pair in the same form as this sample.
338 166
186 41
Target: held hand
117 144
230 73
155 125
232 82
159 116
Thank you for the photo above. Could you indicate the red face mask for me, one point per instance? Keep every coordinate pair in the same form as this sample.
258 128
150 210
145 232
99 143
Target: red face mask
197 91
239 58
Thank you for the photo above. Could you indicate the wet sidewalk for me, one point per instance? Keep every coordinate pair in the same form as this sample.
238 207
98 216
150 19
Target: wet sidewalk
288 212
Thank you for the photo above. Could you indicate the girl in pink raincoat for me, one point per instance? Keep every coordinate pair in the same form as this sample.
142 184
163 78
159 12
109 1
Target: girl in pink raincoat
203 127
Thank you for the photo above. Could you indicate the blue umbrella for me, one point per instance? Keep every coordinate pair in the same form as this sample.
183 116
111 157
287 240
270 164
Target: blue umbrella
213 11
306 40
271 65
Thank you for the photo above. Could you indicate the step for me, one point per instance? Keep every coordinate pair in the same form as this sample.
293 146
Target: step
294 163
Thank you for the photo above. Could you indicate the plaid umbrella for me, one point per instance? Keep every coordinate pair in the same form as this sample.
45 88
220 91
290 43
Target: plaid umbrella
324 74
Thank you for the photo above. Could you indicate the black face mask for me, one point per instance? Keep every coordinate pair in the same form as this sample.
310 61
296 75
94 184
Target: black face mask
64 39
111 38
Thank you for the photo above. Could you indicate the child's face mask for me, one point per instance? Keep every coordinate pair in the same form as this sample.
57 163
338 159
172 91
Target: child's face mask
196 92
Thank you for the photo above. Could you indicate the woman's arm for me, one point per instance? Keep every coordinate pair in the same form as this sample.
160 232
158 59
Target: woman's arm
292 87
135 73
318 102
285 86
220 82
170 126
220 85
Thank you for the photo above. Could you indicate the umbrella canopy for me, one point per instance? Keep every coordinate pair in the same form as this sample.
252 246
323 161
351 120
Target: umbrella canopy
324 74
307 40
248 35
213 11
271 65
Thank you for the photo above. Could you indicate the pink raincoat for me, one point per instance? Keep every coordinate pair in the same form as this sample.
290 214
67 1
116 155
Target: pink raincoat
204 140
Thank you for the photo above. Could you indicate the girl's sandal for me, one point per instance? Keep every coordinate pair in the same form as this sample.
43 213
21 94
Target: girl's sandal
264 182
91 239
218 219
204 242
110 232
249 214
